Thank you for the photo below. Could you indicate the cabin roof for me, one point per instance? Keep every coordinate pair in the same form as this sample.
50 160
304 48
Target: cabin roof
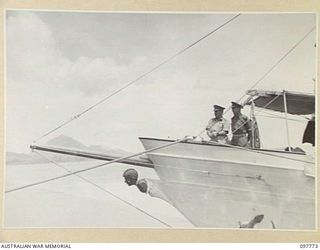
297 103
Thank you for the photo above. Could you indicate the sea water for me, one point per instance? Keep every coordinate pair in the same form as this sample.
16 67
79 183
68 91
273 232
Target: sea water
100 199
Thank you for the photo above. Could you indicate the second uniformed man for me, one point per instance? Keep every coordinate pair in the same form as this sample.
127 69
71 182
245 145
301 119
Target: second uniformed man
218 127
240 127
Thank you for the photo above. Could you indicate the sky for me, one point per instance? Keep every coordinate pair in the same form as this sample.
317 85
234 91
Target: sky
60 63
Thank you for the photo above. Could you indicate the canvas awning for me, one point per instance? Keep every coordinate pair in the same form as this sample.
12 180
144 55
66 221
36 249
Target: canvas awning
297 103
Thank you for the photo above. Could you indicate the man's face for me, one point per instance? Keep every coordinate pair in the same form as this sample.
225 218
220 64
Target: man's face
236 110
129 180
218 113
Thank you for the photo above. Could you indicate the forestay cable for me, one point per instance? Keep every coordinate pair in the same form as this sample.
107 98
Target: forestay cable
271 69
137 79
94 167
137 154
280 60
144 152
147 151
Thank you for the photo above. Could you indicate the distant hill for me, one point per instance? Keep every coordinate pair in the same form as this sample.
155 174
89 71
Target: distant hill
107 150
64 142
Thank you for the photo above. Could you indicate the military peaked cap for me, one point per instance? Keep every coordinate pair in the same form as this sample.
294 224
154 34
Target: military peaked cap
236 105
217 107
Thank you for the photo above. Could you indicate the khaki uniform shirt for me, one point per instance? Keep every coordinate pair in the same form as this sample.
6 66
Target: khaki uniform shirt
241 127
215 126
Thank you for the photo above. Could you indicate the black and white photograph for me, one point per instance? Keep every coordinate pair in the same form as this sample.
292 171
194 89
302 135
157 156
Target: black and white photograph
183 120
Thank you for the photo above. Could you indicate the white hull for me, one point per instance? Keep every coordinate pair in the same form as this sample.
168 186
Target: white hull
217 186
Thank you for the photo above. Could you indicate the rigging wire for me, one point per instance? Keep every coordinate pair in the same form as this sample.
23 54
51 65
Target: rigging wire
249 149
137 79
271 69
172 57
148 151
280 60
185 139
105 190
120 159
95 167
268 103
207 173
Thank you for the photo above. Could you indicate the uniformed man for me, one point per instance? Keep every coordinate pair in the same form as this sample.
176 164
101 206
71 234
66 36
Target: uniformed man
240 126
218 127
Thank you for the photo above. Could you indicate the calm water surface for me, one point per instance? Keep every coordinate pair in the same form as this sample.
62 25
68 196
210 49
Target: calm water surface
73 202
